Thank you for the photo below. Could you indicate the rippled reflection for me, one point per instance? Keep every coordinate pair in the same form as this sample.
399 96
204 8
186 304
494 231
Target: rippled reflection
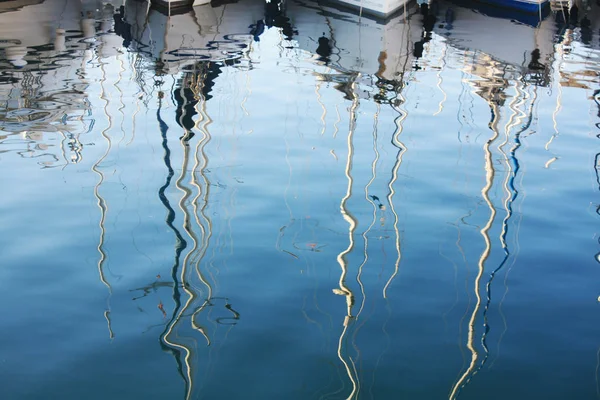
198 182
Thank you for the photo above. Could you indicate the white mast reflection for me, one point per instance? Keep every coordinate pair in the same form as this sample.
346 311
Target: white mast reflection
402 115
101 202
489 179
343 289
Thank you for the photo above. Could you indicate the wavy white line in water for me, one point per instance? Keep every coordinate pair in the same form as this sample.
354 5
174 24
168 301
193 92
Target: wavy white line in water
186 193
246 95
336 129
489 178
133 117
324 114
515 119
374 219
205 121
196 254
558 107
550 162
512 193
366 241
440 80
202 125
403 114
352 223
101 202
122 104
180 245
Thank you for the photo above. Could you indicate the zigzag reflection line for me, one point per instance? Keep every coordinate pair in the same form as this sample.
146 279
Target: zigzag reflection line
101 202
398 121
344 290
489 179
365 233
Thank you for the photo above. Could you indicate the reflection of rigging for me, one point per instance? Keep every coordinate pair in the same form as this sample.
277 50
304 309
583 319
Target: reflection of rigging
180 245
195 189
560 55
371 199
398 121
102 202
489 179
202 220
512 193
343 289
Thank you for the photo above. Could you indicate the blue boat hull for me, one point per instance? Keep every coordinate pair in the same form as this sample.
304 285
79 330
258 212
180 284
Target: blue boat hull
521 6
496 11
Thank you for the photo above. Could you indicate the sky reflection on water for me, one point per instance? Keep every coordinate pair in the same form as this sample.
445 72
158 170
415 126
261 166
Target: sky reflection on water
252 200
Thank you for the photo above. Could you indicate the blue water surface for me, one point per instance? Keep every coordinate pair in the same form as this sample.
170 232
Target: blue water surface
297 201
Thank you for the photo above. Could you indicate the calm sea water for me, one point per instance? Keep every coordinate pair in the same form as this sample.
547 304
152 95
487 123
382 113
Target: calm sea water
293 201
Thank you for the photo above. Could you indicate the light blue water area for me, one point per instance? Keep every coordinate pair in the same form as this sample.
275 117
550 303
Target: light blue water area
291 200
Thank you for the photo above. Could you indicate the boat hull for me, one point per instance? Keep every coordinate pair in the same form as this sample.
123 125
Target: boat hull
522 6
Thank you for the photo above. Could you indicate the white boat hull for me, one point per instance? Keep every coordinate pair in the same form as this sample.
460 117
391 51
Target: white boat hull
382 8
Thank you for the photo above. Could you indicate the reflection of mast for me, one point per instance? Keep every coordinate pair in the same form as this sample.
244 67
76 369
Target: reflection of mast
560 54
489 179
186 286
180 245
102 203
371 200
187 226
344 290
440 80
375 207
205 225
398 121
513 166
199 202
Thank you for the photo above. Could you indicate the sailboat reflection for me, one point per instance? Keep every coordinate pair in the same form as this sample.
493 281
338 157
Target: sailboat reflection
192 292
350 69
485 193
401 149
102 205
521 108
520 120
343 289
97 169
181 39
